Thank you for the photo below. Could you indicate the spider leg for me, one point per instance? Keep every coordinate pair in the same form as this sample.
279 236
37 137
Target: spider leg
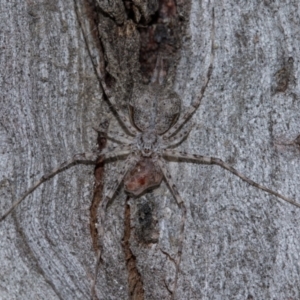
116 151
107 91
195 104
129 163
178 137
123 117
78 158
87 158
182 207
216 161
119 137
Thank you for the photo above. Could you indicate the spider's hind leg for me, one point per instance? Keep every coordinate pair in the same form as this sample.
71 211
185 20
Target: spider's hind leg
129 163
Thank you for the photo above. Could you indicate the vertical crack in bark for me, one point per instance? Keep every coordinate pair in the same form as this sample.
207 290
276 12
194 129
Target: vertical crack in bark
98 191
135 282
97 198
160 41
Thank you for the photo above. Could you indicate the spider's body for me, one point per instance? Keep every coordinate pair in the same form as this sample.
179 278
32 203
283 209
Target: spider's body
154 125
148 143
149 125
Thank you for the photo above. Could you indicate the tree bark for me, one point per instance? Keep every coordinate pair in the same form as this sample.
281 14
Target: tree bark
239 242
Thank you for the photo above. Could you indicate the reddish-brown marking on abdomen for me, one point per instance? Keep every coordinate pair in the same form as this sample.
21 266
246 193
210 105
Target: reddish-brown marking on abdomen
142 180
142 177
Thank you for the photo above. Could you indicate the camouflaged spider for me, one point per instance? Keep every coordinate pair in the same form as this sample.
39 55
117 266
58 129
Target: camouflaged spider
151 134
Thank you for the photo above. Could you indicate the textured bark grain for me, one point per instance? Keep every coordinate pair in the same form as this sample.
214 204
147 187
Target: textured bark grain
135 281
239 242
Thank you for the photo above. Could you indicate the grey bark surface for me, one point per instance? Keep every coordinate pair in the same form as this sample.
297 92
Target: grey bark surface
239 242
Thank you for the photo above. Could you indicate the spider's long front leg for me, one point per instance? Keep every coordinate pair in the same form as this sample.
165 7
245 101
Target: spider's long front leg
181 205
81 157
84 158
123 117
216 161
107 90
195 104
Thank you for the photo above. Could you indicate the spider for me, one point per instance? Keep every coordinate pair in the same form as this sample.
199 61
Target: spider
151 134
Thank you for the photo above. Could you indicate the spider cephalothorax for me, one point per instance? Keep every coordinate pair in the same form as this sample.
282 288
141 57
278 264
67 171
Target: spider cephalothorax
148 142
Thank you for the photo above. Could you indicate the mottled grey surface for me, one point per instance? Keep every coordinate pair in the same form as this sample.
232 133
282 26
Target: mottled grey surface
49 101
240 243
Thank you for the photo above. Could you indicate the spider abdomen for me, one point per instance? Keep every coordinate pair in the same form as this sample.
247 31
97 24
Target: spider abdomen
142 177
